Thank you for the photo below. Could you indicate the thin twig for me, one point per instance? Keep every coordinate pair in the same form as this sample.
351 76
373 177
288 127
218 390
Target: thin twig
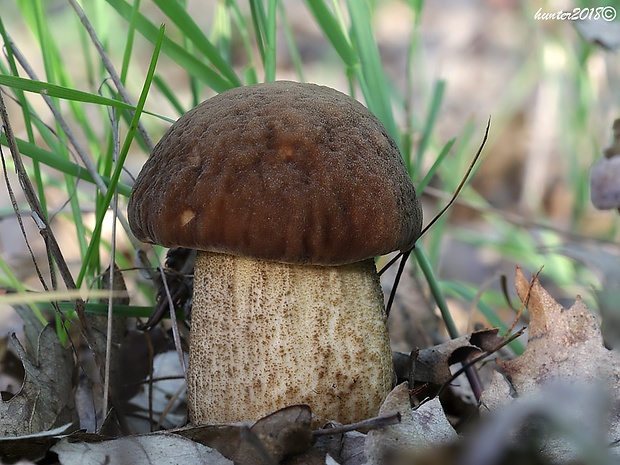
380 421
112 266
176 335
469 365
463 180
399 273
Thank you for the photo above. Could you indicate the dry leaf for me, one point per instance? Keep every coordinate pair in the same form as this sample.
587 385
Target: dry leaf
420 430
432 365
156 448
565 347
167 398
45 400
31 446
285 432
282 433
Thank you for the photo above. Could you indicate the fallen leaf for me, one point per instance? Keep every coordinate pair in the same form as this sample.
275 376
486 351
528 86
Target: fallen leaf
432 365
156 448
605 262
565 347
420 430
285 432
45 400
31 446
167 397
560 423
282 433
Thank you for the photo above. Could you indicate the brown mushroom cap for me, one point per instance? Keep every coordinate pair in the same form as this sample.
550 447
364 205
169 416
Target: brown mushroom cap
283 171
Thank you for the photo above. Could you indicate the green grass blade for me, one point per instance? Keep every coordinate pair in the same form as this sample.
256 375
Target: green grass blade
194 66
179 16
270 42
374 85
332 30
435 288
161 85
289 37
130 41
61 92
431 120
436 165
121 159
259 22
63 165
249 74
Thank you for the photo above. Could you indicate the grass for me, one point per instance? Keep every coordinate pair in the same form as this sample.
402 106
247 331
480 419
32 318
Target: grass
76 155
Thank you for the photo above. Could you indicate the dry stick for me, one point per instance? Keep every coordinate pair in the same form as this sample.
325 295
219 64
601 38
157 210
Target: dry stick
169 405
399 273
380 421
149 345
40 220
110 68
112 266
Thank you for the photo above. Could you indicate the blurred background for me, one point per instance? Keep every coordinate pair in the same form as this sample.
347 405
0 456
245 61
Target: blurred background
551 89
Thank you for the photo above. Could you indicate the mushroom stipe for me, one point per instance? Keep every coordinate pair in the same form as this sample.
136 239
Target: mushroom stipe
288 334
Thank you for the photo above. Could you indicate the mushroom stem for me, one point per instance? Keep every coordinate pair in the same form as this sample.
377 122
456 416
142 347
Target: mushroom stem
266 335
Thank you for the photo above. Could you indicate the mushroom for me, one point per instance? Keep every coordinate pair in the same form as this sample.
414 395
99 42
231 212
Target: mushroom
288 191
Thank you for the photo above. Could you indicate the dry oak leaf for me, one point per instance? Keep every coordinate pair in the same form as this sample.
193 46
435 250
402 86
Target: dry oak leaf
565 347
419 430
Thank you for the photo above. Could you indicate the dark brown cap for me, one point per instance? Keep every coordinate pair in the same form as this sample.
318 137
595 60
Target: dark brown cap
282 171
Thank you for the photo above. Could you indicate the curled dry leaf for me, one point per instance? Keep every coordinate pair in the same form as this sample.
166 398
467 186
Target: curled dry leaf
420 430
432 365
565 346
